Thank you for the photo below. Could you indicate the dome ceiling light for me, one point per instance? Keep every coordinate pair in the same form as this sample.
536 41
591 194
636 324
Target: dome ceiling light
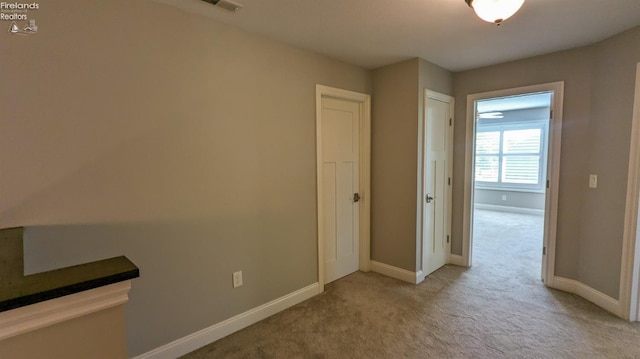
226 4
495 11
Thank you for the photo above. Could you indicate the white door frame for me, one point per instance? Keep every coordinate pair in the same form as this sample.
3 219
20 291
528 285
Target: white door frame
365 174
630 267
553 172
430 94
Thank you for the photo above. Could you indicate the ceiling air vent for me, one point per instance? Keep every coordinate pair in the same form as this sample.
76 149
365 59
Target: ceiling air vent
225 4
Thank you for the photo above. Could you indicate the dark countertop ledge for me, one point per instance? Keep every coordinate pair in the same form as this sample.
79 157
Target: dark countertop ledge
16 292
60 282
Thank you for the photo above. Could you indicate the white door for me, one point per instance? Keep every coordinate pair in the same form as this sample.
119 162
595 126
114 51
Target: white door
340 186
436 183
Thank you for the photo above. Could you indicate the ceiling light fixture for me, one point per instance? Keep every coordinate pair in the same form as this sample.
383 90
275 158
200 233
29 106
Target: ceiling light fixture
495 11
226 4
494 114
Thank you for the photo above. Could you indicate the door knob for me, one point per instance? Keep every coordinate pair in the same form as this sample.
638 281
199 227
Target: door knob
429 198
356 197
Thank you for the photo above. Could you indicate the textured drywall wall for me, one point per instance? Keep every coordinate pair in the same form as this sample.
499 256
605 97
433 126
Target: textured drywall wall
394 150
603 208
435 78
133 128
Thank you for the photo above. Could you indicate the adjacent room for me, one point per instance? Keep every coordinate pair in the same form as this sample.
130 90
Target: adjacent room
511 155
297 178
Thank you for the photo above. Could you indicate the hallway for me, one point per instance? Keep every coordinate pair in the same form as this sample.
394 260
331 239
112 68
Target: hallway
499 308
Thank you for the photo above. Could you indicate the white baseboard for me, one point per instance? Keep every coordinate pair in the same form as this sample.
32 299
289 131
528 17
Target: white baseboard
220 330
492 207
594 296
456 260
397 273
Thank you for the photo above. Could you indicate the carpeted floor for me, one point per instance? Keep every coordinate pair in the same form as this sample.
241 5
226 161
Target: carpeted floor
496 309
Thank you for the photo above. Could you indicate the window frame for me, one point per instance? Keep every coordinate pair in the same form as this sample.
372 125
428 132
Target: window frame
514 125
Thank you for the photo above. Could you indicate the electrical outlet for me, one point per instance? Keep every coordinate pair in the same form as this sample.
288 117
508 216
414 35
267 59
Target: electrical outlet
504 197
593 181
237 279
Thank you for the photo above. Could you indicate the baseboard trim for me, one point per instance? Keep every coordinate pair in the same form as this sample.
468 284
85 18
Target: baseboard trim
594 296
43 314
397 273
456 260
220 330
493 207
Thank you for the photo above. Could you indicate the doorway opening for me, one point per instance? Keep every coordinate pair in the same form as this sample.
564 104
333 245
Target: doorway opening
511 137
512 166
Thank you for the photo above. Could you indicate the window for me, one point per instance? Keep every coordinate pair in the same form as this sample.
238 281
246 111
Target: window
510 155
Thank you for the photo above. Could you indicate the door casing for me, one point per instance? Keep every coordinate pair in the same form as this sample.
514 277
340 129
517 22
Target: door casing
364 102
553 172
629 307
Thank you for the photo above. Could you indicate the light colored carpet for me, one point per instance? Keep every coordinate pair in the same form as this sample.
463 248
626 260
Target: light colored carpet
496 309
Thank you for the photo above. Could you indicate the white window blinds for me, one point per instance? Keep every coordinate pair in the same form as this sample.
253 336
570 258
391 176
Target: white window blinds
510 155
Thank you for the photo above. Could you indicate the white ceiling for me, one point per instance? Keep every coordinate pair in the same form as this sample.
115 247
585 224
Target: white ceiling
374 33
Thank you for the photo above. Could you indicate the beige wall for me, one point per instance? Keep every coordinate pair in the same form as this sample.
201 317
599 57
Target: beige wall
134 128
598 100
394 153
615 65
398 96
98 335
434 77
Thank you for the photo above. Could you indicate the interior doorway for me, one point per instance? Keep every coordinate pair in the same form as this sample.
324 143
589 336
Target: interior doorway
512 165
511 138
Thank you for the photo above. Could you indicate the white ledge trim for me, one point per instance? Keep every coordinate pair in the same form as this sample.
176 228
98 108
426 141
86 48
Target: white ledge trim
43 314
